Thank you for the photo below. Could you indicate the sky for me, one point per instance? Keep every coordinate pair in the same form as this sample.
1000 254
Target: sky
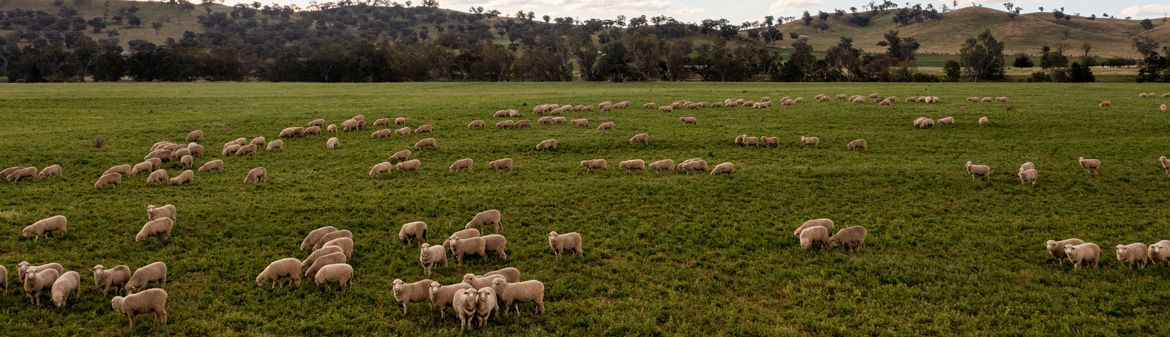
739 11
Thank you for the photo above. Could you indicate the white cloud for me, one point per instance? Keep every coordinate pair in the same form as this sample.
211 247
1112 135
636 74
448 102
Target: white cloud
688 11
620 5
793 7
1146 11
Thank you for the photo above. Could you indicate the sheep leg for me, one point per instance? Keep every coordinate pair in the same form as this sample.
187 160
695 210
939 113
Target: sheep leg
131 316
540 305
403 309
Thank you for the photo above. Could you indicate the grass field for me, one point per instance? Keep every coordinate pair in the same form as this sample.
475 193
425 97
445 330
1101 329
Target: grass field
665 254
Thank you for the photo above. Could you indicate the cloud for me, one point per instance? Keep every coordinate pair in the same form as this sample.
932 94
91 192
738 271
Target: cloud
688 11
793 6
1146 11
620 5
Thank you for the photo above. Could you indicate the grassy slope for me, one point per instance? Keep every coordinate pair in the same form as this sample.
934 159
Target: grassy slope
665 253
175 21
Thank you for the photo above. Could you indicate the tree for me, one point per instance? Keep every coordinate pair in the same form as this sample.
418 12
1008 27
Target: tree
1080 74
1147 24
1022 61
158 26
614 63
982 56
954 70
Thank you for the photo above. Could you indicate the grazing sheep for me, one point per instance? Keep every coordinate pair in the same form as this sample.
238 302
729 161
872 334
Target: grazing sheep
501 164
1133 254
480 282
1056 248
1028 176
857 144
465 304
148 301
155 163
157 177
558 120
407 293
106 278
180 153
332 128
332 143
49 172
400 156
1105 104
183 178
161 154
441 295
461 234
496 243
723 168
565 242
317 122
1001 99
505 124
693 165
580 122
314 236
166 211
37 280
123 169
154 272
258 141
464 164
810 141
330 236
1159 252
381 122
229 150
633 164
383 133
6 171
288 132
470 246
321 262
650 106
512 294
157 227
547 144
429 256
145 166
187 161
1083 254
1165 164
284 268
605 126
195 149
984 121
546 120
509 274
946 121
67 284
426 143
317 254
666 109
820 222
345 243
380 168
595 164
1162 108
256 175
46 225
400 121
751 141
523 123
1091 166
641 138
689 120
108 179
770 141
349 125
925 123
194 136
312 130
409 165
851 238
812 235
426 128
475 124
978 170
662 165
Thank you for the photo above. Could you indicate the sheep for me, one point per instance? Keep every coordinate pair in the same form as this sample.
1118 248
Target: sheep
984 121
464 164
149 301
317 254
461 234
850 238
1001 99
501 164
496 243
194 136
6 171
1056 248
240 141
486 304
558 120
284 268
1028 176
465 304
440 296
316 122
751 141
400 156
275 145
157 227
1083 254
666 109
546 120
1162 108
1091 166
1165 164
187 161
475 124
332 143
429 256
155 163
509 274
256 175
565 242
857 144
350 125
1027 166
1133 254
426 143
810 141
314 236
37 280
605 126
46 225
383 133
157 177
633 164
512 294
183 178
523 123
978 170
470 246
426 128
1105 104
321 262
812 235
986 100
123 169
195 149
380 168
381 122
24 172
650 106
693 165
662 165
1159 252
925 123
407 293
229 150
49 172
161 154
641 138
689 120
946 121
154 272
313 130
344 233
480 282
416 231
581 122
723 168
505 124
409 165
332 128
770 141
820 222
595 164
345 243
106 278
108 179
547 144
67 284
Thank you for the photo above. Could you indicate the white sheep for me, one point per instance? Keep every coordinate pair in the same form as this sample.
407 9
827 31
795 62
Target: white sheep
505 124
605 126
565 242
381 122
510 274
1159 252
693 165
284 268
723 168
441 295
486 218
400 156
317 122
464 302
425 128
688 120
214 165
501 164
1028 176
662 165
978 170
139 168
429 256
148 301
44 226
984 121
275 145
487 303
332 143
1083 254
346 245
464 164
383 133
1056 248
157 227
108 179
344 233
512 294
106 278
1133 254
157 177
1162 108
594 164
819 222
475 124
496 243
812 235
851 238
469 246
321 262
1091 166
633 164
256 175
1165 164
154 272
230 149
332 128
810 141
770 141
317 254
1105 104
67 284
1027 166
641 138
426 143
547 144
857 144
379 168
416 231
194 136
461 234
409 165
314 236
183 178
407 293
946 121
37 280
49 172
22 173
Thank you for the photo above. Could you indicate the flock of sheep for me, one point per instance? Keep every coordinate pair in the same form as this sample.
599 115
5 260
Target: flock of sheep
1081 253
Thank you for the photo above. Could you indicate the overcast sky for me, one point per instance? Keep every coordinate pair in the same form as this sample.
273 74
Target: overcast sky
738 11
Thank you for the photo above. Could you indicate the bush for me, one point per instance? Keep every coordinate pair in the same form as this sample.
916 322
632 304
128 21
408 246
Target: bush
1039 76
920 77
1022 61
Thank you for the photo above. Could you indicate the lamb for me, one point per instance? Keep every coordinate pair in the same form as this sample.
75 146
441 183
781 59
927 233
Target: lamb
1028 176
321 262
149 301
407 293
487 303
332 128
314 236
317 254
317 122
1165 164
429 256
470 246
512 294
605 126
662 165
426 128
409 165
1056 248
547 144
641 138
106 278
857 144
440 296
381 122
259 141
1159 252
144 275
496 243
187 161
229 150
284 268
1133 254
275 145
565 242
1105 104
383 133
157 227
475 124
464 164
689 120
400 156
46 225
256 175
480 282
345 243
595 164
67 284
1091 166
501 164
108 179
946 121
815 234
194 136
1083 254
978 170
820 222
850 238
426 143
465 303
723 168
380 168
332 143
37 280
344 233
984 121
510 274
157 177
183 178
49 172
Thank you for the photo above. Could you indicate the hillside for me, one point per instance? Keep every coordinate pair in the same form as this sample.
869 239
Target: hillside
175 19
1025 34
